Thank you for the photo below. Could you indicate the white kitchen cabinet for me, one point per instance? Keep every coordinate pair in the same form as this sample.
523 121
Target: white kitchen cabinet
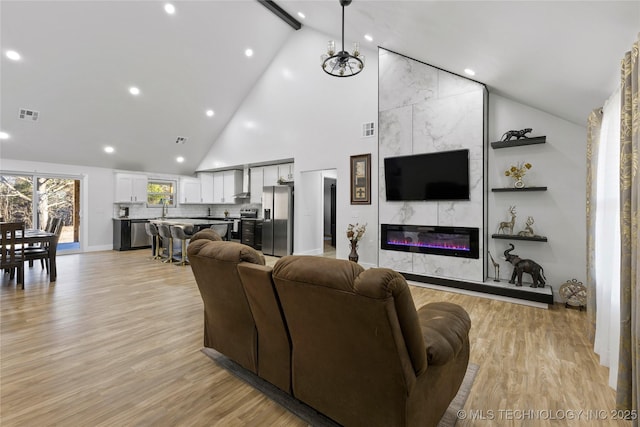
257 182
285 172
130 188
206 187
189 190
218 187
270 174
226 184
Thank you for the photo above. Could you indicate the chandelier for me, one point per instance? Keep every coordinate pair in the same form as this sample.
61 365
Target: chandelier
343 63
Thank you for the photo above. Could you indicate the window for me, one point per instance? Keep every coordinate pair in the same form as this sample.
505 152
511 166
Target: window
159 192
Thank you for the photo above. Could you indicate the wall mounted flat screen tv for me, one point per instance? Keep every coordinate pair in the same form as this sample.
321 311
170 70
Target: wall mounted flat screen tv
442 175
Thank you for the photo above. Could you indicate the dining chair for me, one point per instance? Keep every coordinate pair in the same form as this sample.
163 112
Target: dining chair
48 228
11 251
32 253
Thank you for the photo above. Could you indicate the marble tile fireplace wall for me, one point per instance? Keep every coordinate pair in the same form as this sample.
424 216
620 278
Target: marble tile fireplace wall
423 109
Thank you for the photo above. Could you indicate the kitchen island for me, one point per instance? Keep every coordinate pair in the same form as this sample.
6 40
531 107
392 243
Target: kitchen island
196 223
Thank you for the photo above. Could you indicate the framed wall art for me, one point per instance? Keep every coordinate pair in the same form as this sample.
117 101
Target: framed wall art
361 179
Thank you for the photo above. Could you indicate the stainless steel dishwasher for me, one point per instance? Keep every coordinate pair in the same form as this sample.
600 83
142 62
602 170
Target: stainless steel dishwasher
139 236
130 234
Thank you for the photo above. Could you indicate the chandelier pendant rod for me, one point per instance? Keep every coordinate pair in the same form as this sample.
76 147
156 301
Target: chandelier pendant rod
343 27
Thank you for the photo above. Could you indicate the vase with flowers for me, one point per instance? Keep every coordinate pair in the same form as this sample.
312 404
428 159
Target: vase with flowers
517 172
354 234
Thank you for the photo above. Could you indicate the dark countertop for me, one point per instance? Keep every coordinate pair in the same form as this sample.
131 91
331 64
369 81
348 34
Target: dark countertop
216 218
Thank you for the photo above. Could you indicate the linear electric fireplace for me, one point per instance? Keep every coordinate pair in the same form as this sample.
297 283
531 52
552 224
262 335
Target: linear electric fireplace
449 241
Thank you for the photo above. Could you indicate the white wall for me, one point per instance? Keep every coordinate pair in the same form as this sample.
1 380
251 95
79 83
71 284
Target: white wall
297 111
96 198
559 213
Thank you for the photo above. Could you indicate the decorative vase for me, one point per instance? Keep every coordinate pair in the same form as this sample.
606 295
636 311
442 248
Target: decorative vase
353 256
519 183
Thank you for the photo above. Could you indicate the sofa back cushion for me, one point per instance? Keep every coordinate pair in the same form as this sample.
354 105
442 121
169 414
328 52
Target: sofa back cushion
354 333
274 346
229 324
206 234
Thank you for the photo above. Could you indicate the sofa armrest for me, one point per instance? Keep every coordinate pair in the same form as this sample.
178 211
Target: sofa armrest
445 329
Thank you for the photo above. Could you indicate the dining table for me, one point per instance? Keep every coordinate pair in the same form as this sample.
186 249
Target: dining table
34 236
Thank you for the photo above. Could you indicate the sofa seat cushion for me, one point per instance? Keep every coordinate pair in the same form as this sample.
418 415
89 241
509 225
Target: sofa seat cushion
445 329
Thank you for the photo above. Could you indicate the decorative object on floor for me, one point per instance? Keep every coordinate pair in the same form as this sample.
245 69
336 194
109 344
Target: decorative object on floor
518 172
508 225
343 63
574 294
315 418
361 179
354 234
496 269
524 266
517 134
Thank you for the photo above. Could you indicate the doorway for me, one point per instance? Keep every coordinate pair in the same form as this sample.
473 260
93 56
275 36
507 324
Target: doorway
329 209
34 199
330 186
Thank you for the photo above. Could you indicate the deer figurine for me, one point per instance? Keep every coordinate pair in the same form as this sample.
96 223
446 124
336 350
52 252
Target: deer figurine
508 225
528 230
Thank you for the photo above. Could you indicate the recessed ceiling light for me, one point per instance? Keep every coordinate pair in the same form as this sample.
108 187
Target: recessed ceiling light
368 38
301 15
169 8
248 53
4 135
109 149
469 72
210 113
180 159
13 55
134 90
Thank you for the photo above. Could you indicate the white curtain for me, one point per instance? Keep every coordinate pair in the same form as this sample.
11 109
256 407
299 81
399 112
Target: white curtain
607 239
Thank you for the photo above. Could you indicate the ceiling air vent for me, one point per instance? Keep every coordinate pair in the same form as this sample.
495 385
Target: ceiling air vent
368 129
29 115
181 140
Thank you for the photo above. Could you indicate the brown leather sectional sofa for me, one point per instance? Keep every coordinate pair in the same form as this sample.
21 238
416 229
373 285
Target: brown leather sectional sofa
344 340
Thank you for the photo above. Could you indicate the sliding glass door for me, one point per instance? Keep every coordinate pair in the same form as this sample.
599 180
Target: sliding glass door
36 198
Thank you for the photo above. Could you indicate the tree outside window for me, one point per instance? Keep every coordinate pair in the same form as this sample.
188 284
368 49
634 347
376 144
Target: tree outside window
161 192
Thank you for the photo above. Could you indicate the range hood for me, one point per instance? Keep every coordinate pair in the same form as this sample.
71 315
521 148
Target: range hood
245 185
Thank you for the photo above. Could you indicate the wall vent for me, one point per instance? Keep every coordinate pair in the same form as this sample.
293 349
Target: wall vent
368 129
30 115
181 140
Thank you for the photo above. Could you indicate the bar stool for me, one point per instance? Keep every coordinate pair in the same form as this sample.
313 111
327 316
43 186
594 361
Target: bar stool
182 233
222 230
152 230
165 233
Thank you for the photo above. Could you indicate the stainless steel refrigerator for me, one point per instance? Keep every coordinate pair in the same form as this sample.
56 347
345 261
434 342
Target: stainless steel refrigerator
277 228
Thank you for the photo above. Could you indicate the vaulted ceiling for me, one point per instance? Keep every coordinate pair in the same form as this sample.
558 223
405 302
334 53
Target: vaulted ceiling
79 60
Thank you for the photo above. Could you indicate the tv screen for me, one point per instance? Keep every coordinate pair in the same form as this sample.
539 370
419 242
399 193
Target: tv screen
432 176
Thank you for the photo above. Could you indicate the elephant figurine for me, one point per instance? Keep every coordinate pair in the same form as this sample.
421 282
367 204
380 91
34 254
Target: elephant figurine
525 266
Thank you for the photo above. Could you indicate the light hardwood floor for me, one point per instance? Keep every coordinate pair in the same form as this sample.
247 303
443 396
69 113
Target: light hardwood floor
116 342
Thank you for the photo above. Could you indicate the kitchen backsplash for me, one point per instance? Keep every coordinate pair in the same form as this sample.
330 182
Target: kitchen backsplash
185 211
